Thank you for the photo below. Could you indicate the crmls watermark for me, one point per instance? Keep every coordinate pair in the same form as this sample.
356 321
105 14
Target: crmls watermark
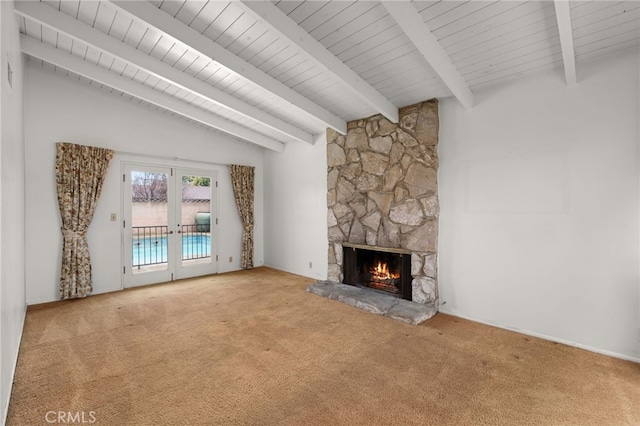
70 417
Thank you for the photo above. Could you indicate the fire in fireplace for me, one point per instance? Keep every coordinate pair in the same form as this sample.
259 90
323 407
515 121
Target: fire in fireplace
379 268
379 276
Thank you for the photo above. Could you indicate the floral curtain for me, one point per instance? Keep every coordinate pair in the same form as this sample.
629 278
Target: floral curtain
242 180
80 172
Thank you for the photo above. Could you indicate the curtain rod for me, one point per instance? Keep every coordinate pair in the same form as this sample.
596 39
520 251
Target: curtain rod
163 157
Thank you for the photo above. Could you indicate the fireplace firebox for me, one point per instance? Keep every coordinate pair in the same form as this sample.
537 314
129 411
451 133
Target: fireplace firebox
380 268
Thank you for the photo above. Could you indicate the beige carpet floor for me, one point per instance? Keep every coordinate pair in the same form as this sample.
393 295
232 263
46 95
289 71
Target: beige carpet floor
253 348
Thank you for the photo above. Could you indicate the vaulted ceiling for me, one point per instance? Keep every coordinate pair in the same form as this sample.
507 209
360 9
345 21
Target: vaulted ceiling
273 73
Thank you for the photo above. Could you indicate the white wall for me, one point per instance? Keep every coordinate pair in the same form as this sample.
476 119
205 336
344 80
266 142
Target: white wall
12 225
60 109
296 209
540 207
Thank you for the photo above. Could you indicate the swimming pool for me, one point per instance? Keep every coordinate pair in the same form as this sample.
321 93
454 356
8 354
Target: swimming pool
152 251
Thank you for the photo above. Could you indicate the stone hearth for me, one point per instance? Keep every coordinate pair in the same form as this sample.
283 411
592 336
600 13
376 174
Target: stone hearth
383 191
374 301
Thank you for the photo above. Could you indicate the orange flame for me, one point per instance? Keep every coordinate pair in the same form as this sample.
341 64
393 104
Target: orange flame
381 272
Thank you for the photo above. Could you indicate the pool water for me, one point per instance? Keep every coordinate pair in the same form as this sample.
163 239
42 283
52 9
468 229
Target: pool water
151 251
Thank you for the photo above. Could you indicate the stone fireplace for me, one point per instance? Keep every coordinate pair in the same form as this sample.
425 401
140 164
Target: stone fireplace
383 194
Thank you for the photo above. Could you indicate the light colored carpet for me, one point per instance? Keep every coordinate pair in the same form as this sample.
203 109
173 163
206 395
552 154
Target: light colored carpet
253 348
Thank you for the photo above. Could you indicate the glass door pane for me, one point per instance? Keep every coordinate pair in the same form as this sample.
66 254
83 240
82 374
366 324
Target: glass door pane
149 221
148 231
197 223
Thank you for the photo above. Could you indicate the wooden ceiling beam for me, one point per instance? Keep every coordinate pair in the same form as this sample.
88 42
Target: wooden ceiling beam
58 21
72 63
154 17
565 29
268 14
408 18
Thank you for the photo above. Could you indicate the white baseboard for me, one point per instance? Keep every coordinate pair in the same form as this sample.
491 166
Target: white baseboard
545 337
5 404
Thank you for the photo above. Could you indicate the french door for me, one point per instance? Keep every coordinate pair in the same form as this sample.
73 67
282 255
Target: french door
169 226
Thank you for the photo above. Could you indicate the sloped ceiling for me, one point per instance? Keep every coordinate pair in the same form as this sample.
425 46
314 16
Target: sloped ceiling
273 73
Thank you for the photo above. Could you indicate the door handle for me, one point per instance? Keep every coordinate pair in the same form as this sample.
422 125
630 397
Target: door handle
170 232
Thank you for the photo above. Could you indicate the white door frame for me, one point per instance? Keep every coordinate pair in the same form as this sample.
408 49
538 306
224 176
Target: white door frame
174 268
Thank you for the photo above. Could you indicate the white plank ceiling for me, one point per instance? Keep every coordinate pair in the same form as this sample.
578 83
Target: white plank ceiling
273 73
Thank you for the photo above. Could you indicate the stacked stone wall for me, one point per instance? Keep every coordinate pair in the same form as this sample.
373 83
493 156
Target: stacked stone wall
383 191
